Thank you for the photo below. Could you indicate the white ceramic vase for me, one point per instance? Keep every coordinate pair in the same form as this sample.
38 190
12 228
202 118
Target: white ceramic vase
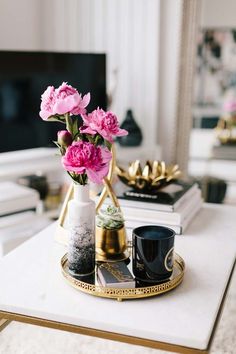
81 248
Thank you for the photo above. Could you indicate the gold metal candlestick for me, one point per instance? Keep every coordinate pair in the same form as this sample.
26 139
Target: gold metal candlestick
107 181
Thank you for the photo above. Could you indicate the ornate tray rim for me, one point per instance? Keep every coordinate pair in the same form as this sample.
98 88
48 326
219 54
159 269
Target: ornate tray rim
126 293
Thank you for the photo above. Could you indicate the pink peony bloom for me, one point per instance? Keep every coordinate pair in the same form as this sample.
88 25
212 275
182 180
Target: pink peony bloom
83 157
68 100
229 106
104 123
47 104
64 99
64 138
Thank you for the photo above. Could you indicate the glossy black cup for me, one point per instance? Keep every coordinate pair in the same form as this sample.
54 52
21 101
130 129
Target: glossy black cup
153 248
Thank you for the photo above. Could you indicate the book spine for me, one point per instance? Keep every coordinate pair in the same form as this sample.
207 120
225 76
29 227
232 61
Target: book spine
11 220
191 215
152 215
179 229
140 205
187 195
131 224
11 207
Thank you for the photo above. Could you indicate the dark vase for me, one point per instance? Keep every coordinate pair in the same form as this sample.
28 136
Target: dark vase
134 138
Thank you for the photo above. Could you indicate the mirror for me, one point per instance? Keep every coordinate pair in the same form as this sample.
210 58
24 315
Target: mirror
212 152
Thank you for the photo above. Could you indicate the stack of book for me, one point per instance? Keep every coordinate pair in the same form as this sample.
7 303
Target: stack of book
174 206
15 198
19 227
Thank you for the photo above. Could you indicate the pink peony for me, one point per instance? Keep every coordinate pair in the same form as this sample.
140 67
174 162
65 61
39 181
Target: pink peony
64 99
83 157
104 123
229 102
47 104
64 138
69 100
229 106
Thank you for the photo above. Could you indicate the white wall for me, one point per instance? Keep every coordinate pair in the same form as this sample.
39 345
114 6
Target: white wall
128 31
20 26
218 13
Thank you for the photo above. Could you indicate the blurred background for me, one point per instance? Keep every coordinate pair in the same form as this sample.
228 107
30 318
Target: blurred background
131 56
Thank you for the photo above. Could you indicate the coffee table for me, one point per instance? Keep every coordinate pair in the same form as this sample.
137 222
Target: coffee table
183 320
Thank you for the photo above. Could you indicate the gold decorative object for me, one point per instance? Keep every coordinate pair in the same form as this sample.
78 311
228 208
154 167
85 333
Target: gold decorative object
153 176
127 293
226 130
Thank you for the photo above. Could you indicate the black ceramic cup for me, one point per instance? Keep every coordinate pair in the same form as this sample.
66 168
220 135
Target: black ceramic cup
153 248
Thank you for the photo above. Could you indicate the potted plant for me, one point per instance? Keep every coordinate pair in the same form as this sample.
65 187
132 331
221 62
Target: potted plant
110 234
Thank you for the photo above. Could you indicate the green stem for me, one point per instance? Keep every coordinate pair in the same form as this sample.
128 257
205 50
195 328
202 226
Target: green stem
68 123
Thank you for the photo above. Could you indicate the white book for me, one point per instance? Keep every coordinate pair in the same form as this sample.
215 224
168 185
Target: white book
227 152
15 198
192 213
132 224
18 218
14 230
174 218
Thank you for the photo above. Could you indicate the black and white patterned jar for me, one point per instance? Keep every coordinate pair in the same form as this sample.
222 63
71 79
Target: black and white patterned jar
81 248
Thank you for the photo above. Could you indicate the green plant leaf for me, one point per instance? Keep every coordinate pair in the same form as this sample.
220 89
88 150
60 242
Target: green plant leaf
108 144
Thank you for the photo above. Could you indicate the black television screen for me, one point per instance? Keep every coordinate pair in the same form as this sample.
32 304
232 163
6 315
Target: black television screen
24 76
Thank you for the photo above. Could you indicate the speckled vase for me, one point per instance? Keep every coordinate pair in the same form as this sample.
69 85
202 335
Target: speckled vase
81 248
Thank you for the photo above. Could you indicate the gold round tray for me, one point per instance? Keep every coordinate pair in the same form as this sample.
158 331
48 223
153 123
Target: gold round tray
93 287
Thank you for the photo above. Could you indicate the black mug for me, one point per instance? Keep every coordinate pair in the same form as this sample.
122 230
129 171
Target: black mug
153 253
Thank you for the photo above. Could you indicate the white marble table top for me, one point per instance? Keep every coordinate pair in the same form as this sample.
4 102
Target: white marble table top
32 284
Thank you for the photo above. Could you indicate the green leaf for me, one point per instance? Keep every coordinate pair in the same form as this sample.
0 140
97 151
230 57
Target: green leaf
90 138
108 144
56 118
56 143
98 139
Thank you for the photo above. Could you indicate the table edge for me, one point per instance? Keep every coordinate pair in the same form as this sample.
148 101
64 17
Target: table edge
10 316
